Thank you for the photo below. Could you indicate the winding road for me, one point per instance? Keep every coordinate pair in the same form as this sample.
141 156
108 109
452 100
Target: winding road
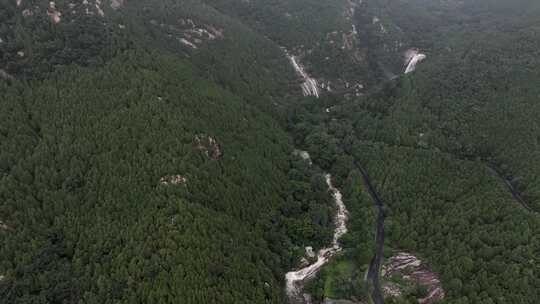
375 264
515 193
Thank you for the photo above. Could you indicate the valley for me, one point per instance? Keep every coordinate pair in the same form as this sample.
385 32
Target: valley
265 151
295 280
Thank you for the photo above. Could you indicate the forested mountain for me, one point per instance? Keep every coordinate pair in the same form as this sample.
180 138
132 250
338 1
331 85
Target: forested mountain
150 151
474 97
452 150
136 167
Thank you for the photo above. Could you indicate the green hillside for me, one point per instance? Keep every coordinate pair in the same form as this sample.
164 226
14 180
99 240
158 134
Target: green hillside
150 150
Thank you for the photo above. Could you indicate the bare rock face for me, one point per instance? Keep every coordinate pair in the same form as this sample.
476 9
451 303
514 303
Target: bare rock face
53 13
412 269
66 11
392 290
209 146
173 180
190 32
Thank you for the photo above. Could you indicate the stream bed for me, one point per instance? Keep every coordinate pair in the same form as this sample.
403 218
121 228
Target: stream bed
296 279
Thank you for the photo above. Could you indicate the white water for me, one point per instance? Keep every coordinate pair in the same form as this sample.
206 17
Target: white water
416 58
188 43
294 279
309 87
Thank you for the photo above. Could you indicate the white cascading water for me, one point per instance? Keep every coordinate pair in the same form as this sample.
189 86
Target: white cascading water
294 279
412 58
309 87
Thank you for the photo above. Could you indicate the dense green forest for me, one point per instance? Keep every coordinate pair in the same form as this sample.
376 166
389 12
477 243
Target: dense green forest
90 217
148 149
111 186
321 32
430 141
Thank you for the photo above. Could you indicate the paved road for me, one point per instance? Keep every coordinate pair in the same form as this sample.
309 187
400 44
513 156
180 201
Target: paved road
375 265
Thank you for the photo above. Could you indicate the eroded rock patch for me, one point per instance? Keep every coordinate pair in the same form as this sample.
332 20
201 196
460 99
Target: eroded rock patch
190 33
209 146
175 180
411 269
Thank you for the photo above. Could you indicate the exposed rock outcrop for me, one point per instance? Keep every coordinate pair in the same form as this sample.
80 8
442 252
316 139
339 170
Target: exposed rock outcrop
53 13
209 146
412 269
58 11
173 180
189 33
